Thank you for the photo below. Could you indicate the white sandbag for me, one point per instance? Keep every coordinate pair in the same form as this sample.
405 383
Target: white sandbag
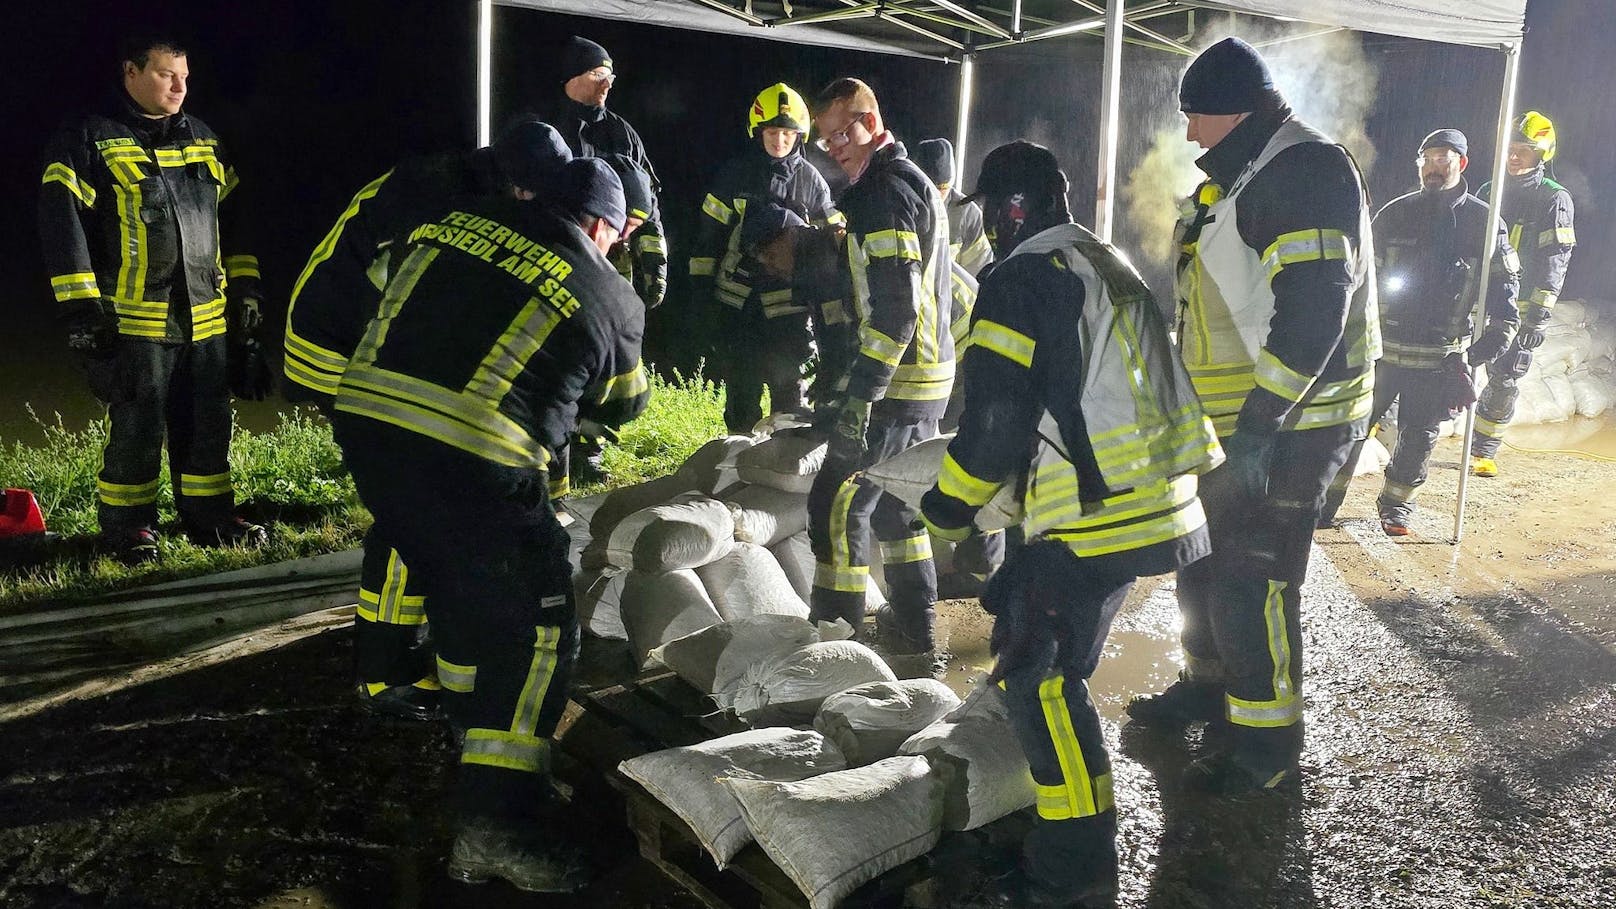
1560 354
715 658
871 722
788 461
790 690
599 595
1569 313
908 475
749 581
973 750
1592 393
658 608
1373 459
583 507
779 422
711 468
690 531
578 539
690 780
619 504
833 833
796 557
765 515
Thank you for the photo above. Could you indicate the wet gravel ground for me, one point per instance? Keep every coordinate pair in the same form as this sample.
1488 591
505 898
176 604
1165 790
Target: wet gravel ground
1461 754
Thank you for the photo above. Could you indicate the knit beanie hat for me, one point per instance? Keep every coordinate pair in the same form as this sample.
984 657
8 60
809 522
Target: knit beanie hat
1229 77
1449 138
589 187
637 193
763 224
580 55
530 154
936 158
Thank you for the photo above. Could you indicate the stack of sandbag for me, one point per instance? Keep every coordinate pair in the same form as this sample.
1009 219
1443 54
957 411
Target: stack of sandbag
690 780
788 461
1571 371
834 832
974 754
871 722
749 581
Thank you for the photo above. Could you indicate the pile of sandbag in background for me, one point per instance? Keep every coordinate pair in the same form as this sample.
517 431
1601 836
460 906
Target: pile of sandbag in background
1571 373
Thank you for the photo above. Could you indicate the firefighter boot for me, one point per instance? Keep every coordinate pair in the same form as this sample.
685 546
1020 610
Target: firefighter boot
1483 467
405 702
1185 702
1250 761
131 545
1018 890
524 857
234 532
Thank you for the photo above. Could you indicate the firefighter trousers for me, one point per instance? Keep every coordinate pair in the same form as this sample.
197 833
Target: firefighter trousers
1420 395
184 389
762 353
498 595
1242 604
390 627
844 511
1052 612
1496 408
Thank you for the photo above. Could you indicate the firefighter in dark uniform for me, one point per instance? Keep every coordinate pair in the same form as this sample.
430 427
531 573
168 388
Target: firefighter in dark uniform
587 74
334 299
898 383
762 331
501 317
966 237
1109 494
1540 219
129 219
1429 272
1280 334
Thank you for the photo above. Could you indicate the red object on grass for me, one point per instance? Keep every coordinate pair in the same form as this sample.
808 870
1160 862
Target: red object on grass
20 516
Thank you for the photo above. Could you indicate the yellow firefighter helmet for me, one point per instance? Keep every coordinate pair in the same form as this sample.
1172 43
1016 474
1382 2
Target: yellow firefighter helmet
778 105
1537 131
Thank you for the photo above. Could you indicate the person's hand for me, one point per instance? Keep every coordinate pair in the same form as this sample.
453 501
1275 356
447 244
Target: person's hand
847 444
252 378
1530 338
1251 458
92 328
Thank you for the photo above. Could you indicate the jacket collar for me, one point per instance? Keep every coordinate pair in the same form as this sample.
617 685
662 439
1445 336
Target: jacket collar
1448 198
1227 160
588 113
151 129
1531 178
888 148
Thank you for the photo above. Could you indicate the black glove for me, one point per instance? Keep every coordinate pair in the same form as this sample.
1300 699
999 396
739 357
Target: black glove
1458 386
1534 319
651 280
1530 338
1251 458
92 328
847 444
252 377
1487 347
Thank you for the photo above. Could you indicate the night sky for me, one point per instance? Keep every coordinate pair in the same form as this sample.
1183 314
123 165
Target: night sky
314 98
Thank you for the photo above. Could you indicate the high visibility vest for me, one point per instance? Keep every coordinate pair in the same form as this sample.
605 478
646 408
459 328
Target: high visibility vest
1142 420
1229 299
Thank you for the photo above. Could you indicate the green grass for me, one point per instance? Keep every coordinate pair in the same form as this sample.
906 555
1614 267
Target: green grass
292 476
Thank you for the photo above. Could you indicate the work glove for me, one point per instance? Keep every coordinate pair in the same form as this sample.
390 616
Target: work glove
1530 338
651 279
252 376
1534 319
1487 347
1251 458
1458 386
592 429
847 444
92 328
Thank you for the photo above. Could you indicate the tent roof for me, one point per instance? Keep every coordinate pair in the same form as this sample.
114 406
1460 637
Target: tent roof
943 29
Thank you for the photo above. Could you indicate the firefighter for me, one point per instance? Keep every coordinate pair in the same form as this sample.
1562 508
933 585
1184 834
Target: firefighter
1280 333
129 216
898 384
587 74
763 332
1539 216
1108 466
1429 272
334 299
501 317
966 238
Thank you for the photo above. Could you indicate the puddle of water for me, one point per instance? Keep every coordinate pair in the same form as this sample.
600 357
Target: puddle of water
1590 436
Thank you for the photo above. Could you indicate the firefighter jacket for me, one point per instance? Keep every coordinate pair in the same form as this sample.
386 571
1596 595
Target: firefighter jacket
595 132
967 238
897 253
1072 383
755 178
129 213
1539 217
340 288
1278 322
499 322
1429 268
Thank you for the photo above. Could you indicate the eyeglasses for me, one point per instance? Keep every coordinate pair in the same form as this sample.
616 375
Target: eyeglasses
841 137
602 75
1436 157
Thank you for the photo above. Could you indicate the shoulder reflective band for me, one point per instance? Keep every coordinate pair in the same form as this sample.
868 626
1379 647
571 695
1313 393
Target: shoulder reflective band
889 244
1004 341
58 172
1306 246
328 245
717 210
1280 379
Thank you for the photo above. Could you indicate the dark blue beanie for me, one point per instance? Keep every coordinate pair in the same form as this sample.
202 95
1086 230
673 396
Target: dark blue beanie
764 223
1451 138
580 55
936 158
530 154
637 193
590 188
1229 77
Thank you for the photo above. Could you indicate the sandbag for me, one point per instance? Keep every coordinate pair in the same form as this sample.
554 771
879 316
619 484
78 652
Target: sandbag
832 833
749 581
1592 393
578 539
765 516
788 461
790 690
690 780
796 557
974 753
599 595
624 501
908 475
715 658
780 422
662 607
711 468
688 532
871 722
583 507
1373 459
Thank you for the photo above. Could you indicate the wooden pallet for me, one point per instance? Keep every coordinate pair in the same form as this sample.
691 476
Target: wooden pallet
607 725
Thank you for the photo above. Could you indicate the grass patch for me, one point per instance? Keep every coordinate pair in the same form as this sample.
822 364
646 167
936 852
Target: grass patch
292 476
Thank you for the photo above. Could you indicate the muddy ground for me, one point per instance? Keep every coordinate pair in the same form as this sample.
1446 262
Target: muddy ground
1461 748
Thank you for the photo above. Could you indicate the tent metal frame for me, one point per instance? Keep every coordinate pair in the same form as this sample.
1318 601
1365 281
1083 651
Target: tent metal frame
991 28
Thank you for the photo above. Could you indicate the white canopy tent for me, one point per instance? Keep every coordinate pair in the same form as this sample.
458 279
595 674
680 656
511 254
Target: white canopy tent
955 31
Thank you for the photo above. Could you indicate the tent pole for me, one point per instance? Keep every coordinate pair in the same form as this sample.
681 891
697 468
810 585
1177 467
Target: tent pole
485 73
1110 105
1495 216
962 126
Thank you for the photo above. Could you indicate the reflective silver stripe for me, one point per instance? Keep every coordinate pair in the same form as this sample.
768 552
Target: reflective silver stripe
849 579
1004 341
505 750
1272 374
879 347
717 210
914 549
455 677
889 244
539 675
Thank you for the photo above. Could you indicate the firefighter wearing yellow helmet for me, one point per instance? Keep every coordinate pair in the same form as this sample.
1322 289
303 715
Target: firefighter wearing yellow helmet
764 332
1538 214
